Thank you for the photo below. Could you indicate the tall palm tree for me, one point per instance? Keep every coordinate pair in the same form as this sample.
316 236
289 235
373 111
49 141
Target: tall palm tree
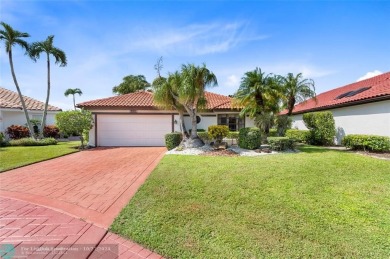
194 80
47 47
259 96
165 91
11 38
296 90
73 91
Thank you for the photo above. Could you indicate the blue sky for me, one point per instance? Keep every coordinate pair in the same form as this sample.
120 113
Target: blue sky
334 43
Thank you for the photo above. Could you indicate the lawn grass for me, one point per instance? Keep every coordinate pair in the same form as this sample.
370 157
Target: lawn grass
318 203
13 157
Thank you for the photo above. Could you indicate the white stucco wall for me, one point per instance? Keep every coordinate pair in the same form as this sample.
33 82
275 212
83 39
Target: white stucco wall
206 121
16 117
370 118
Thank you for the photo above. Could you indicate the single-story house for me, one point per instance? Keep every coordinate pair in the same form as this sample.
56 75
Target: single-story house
11 111
358 108
135 120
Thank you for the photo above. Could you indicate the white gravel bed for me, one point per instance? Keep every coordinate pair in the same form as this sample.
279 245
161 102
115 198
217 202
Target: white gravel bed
236 149
190 151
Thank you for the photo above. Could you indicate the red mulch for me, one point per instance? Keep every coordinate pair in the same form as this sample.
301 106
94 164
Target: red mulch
222 152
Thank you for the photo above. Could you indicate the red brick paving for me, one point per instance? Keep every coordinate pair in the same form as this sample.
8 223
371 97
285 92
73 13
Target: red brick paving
93 185
39 232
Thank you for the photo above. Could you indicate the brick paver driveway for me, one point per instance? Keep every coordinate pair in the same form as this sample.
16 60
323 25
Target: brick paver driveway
93 185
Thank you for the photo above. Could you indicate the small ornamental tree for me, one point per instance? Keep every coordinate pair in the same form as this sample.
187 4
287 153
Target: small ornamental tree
321 127
75 122
218 132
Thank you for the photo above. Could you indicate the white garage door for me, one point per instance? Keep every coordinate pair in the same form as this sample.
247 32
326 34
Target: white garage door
132 130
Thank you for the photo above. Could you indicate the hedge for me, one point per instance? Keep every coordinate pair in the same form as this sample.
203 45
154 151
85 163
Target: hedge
273 133
301 136
172 140
321 126
32 142
204 136
280 143
367 142
249 138
51 131
17 132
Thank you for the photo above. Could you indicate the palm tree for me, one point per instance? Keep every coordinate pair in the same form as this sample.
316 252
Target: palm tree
13 37
47 47
259 96
194 80
296 90
165 91
73 91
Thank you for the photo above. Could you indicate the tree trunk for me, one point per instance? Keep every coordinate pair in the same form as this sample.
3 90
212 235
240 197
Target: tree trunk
182 124
43 124
193 141
290 106
30 129
74 102
194 126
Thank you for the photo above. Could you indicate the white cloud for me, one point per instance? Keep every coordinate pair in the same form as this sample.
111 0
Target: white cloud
195 39
232 81
369 75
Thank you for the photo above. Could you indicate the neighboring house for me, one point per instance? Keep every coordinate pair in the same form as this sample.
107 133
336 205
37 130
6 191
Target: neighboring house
11 111
134 120
358 108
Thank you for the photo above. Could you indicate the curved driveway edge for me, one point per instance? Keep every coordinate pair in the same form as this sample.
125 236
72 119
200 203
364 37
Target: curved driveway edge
28 230
93 185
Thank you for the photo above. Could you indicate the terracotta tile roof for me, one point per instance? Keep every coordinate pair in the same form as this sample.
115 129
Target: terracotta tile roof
218 101
10 100
144 99
371 89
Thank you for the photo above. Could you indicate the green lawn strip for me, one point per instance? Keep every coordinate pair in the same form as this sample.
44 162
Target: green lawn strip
13 157
317 203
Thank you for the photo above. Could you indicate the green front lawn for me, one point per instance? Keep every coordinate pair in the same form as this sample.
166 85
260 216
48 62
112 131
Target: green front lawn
318 203
12 157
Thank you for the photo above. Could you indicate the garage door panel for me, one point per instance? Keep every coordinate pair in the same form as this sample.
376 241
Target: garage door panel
133 130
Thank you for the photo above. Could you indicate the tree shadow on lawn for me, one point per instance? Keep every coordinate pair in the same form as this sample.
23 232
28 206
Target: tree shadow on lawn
316 149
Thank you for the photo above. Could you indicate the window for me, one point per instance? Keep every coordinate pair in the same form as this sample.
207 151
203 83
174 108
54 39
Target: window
352 93
233 121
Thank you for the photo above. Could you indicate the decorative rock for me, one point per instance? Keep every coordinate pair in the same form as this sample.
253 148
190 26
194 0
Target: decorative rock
258 150
220 146
266 150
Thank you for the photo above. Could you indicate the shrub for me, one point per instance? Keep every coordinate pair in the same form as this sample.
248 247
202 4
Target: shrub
280 143
33 142
172 140
75 122
249 138
283 123
204 136
297 135
86 135
232 135
17 132
273 133
321 127
2 140
367 142
51 131
218 132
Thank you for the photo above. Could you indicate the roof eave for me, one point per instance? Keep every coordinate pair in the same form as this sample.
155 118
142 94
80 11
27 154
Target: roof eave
346 104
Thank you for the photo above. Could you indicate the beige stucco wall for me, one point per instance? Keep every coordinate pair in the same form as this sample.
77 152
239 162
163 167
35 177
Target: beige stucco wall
370 118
